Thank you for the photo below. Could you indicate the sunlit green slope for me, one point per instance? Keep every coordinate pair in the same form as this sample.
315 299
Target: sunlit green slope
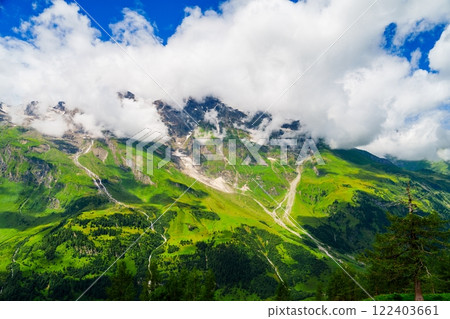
59 232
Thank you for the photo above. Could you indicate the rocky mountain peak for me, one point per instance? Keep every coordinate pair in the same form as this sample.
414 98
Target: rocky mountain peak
61 106
31 109
126 95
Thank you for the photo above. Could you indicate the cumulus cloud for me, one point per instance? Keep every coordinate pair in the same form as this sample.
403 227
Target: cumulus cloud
355 95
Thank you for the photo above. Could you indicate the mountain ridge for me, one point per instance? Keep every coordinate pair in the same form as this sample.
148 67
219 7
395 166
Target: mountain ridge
58 221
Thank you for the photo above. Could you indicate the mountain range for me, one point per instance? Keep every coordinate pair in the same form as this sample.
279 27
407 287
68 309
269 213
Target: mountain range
79 220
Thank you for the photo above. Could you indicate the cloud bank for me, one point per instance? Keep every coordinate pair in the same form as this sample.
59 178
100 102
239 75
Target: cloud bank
356 95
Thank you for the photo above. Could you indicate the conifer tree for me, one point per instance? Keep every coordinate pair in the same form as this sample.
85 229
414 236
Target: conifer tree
402 256
122 284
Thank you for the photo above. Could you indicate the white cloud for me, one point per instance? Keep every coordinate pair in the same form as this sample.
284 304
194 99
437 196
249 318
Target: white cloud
439 54
444 154
133 30
424 136
415 58
356 95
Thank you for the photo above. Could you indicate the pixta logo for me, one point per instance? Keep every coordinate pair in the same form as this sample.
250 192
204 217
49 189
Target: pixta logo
147 142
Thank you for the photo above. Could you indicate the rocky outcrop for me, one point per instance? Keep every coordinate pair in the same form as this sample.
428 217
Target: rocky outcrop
26 169
100 153
144 179
126 95
181 122
43 148
61 107
3 114
31 109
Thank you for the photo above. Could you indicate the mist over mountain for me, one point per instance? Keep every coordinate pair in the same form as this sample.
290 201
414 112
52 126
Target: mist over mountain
72 206
337 66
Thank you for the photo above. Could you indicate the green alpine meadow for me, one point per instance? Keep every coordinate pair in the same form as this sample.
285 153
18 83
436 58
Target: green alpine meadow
224 158
78 222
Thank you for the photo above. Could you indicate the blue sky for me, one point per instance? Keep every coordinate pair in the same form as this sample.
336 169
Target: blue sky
424 41
246 58
167 15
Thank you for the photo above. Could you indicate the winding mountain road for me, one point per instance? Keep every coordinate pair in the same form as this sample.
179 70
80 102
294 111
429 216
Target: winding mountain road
98 183
290 196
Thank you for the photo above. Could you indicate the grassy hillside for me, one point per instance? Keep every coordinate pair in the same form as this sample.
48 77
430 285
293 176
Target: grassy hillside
59 232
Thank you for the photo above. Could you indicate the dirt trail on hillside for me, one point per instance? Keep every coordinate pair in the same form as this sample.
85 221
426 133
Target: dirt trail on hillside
274 267
289 199
276 218
14 261
150 260
97 181
290 196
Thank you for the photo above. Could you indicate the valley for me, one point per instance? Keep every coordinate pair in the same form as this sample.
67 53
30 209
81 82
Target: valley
77 223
